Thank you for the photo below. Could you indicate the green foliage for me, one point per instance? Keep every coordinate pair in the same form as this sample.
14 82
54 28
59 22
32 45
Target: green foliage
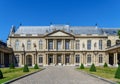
12 66
25 69
1 74
93 68
105 64
36 66
119 33
117 74
82 66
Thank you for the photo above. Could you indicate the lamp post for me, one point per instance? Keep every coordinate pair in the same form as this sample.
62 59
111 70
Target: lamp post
35 51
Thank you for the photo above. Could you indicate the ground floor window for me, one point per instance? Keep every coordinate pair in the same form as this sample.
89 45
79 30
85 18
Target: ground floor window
40 59
89 58
50 59
17 59
77 59
100 58
67 59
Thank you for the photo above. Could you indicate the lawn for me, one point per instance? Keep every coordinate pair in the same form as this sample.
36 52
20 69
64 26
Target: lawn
107 73
14 73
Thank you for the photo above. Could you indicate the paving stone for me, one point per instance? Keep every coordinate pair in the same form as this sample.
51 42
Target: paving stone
60 75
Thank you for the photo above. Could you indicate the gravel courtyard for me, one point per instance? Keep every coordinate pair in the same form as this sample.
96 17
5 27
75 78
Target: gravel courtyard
59 75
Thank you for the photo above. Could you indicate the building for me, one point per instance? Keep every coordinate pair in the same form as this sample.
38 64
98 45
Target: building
64 45
6 55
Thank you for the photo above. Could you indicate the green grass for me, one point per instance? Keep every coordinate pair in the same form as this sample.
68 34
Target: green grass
14 73
108 73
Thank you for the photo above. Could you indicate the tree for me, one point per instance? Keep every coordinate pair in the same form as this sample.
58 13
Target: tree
25 68
117 73
105 64
12 66
1 74
119 33
82 66
36 66
93 68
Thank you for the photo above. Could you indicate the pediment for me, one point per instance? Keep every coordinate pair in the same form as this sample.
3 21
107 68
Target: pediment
59 33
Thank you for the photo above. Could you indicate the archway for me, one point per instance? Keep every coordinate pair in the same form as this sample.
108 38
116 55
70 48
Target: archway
29 60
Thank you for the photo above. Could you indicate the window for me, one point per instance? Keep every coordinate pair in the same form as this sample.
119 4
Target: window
67 59
17 59
40 44
58 44
88 44
67 42
108 43
40 59
16 45
100 58
50 44
89 58
117 42
100 44
77 44
77 59
28 44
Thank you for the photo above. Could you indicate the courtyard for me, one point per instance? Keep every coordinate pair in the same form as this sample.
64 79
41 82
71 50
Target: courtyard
60 75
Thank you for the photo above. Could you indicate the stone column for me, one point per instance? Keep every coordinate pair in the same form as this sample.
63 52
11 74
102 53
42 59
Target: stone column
64 59
63 44
115 58
46 59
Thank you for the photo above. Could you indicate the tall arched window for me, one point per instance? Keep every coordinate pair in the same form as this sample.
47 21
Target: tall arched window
89 58
28 44
16 45
40 44
100 58
108 43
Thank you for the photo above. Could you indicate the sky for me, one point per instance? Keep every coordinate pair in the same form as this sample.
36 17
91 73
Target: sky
106 13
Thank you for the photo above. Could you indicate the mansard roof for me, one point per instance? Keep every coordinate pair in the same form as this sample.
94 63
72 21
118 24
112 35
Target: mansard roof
69 29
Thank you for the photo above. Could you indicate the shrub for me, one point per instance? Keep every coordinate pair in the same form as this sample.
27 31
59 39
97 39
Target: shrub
36 66
82 66
93 68
105 64
12 66
117 73
25 68
1 74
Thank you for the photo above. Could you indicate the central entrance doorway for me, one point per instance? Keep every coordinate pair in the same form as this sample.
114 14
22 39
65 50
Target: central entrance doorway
59 59
50 59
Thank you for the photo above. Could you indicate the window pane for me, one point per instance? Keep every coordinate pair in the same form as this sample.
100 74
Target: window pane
17 45
50 44
77 59
89 59
89 44
67 44
100 59
40 59
40 44
58 44
100 44
28 45
77 44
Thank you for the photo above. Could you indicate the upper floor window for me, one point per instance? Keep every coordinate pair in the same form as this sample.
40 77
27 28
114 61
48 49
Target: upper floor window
28 44
108 43
100 58
67 43
40 44
89 58
117 42
58 44
88 44
50 44
16 45
100 44
77 59
77 44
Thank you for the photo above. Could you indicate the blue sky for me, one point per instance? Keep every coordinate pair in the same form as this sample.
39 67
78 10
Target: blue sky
106 13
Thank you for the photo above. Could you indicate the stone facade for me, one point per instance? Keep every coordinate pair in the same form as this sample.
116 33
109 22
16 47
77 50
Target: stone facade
6 55
63 45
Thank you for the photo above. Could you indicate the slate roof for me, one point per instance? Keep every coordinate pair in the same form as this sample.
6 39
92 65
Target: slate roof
66 28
